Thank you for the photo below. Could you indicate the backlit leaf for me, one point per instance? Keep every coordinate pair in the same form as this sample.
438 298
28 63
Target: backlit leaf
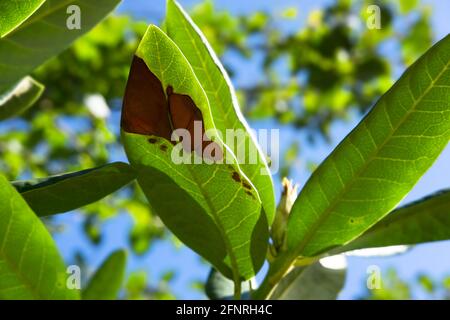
425 220
375 166
30 265
379 162
15 12
222 98
212 208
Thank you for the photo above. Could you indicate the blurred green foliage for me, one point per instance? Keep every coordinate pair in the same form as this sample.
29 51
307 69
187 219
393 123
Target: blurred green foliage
61 133
331 64
137 287
395 288
310 74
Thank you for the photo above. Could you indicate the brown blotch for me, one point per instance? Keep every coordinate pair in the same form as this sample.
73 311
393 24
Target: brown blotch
163 147
246 185
144 108
184 113
152 140
148 111
250 194
236 177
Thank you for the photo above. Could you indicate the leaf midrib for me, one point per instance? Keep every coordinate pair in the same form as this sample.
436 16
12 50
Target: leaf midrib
337 198
213 210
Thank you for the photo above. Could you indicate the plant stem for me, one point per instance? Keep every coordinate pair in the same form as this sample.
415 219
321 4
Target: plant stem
277 270
237 290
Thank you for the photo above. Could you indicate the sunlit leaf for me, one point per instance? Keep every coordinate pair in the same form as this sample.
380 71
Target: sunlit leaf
375 166
425 220
15 13
222 98
379 162
30 265
212 208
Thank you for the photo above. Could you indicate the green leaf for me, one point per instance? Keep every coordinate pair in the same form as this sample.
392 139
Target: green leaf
62 193
375 166
212 208
218 287
22 96
107 281
222 98
15 13
44 35
30 265
314 282
425 220
379 162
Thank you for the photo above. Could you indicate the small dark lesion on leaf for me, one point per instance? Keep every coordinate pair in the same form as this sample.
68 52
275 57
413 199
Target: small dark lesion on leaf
250 194
236 177
352 221
163 147
152 140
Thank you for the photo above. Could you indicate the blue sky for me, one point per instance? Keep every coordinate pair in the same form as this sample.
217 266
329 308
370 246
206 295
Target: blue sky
433 259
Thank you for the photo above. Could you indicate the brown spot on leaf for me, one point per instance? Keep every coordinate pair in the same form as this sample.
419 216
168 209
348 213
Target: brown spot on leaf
144 108
163 147
236 177
148 111
250 194
152 140
185 114
246 185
